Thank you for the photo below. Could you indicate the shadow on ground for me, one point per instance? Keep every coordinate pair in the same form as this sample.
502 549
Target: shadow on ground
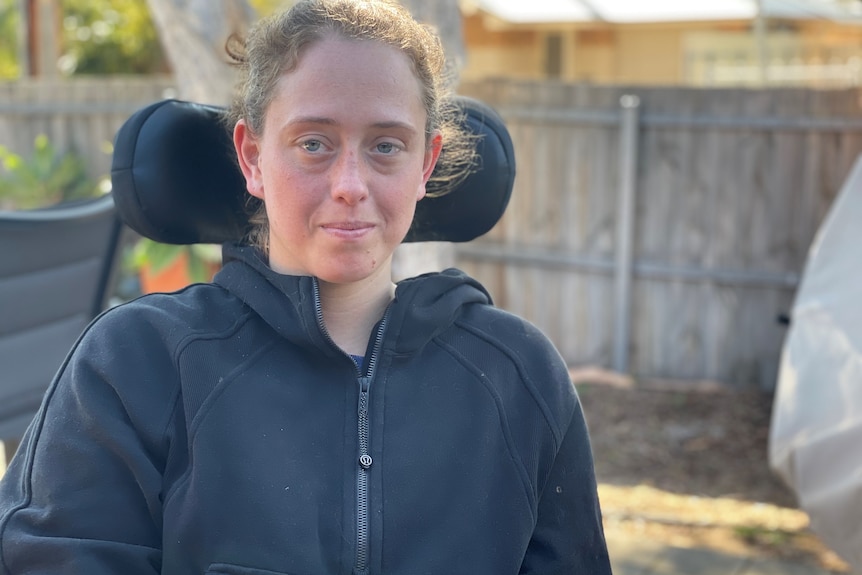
704 442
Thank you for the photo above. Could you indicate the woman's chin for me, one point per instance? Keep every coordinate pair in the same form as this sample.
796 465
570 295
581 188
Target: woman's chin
352 272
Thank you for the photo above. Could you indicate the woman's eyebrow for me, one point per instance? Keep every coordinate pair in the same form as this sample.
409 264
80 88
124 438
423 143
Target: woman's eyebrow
323 120
310 120
395 124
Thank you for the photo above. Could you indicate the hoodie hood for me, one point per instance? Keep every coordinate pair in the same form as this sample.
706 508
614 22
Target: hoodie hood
426 305
423 307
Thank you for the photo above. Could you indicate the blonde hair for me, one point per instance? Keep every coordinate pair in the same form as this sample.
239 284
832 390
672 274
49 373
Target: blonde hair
274 46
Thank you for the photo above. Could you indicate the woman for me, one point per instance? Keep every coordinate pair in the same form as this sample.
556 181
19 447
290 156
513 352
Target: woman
301 414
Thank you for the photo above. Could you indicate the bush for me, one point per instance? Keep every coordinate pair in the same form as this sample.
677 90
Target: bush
47 177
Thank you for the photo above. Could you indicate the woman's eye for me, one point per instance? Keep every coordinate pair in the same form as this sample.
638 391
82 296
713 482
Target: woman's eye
312 145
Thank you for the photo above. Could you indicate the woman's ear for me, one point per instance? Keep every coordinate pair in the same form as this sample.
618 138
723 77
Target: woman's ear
432 154
248 154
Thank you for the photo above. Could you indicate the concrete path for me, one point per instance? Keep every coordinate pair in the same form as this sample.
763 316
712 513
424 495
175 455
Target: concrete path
640 557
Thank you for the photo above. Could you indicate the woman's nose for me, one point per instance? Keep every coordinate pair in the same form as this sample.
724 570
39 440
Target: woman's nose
349 178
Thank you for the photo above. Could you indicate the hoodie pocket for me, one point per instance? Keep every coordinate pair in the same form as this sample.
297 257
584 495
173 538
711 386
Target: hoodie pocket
227 569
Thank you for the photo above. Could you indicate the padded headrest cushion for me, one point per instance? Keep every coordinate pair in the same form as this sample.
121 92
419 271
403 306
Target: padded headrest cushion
176 179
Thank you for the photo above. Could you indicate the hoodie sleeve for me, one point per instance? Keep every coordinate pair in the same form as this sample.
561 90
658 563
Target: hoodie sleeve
82 493
569 537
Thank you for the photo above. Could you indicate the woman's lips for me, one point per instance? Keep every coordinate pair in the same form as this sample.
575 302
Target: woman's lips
348 230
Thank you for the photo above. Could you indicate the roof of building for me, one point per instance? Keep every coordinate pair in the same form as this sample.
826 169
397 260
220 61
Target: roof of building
641 11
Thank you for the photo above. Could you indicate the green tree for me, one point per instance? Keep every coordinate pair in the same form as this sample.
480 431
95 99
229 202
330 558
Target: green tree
109 37
9 18
267 7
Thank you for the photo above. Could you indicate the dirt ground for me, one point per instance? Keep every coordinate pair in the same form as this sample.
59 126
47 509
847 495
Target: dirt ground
688 465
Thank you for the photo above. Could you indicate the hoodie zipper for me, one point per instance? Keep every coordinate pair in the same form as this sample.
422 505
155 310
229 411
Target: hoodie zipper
364 460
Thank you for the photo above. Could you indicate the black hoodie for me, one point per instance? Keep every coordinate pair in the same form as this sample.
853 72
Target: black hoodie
220 431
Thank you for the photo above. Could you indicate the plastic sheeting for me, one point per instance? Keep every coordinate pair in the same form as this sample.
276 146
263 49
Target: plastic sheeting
816 430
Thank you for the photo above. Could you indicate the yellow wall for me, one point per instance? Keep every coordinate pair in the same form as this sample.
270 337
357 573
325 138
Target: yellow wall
594 56
668 54
600 55
648 56
502 52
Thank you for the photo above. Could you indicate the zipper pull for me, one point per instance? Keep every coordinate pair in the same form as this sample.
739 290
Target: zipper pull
364 383
365 460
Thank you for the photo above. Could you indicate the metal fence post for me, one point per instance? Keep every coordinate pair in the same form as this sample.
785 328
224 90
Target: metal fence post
629 120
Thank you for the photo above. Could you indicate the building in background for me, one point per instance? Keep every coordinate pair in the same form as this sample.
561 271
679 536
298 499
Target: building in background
708 43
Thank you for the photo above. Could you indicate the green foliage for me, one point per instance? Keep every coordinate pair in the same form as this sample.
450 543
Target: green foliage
100 37
110 37
46 178
158 256
763 536
9 21
267 7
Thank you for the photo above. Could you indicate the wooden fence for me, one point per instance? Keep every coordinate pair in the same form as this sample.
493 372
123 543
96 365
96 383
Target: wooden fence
79 116
662 238
662 232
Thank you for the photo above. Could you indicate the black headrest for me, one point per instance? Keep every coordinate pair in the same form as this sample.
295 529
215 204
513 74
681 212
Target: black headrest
176 179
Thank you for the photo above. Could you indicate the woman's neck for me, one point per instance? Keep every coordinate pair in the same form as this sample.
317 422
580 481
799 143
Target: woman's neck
350 311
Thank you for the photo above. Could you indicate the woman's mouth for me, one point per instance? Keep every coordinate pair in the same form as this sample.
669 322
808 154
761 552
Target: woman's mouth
349 229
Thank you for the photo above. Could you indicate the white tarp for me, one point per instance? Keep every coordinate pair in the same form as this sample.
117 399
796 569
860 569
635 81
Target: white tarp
816 431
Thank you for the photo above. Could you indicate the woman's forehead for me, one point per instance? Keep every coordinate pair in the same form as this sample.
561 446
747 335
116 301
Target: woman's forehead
336 76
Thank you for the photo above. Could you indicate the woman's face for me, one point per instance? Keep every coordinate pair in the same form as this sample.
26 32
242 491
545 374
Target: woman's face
342 161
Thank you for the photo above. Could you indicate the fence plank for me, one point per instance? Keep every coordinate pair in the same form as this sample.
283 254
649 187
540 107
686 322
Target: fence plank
731 187
79 115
